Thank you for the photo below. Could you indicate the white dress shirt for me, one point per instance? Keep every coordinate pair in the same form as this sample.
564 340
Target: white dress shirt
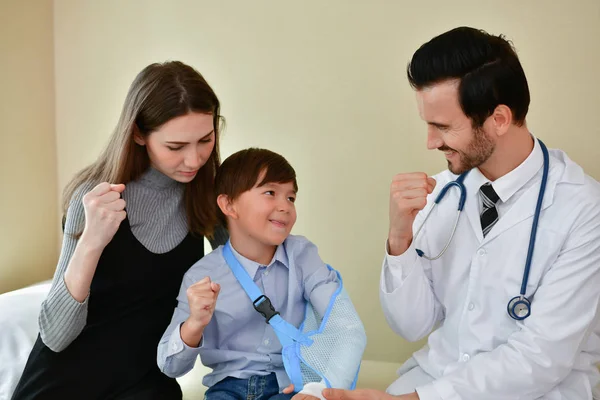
477 351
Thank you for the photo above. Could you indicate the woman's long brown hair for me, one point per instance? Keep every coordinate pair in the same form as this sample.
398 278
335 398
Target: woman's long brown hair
159 93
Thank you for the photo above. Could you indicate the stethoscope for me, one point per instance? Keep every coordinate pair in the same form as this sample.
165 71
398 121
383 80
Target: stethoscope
519 307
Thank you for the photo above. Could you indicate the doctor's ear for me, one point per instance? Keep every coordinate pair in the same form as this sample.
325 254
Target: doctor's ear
227 206
502 119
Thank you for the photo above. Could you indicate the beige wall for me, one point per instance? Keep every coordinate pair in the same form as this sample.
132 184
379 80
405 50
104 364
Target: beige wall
28 197
323 83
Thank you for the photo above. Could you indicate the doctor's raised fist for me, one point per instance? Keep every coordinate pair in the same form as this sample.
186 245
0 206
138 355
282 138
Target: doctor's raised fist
408 196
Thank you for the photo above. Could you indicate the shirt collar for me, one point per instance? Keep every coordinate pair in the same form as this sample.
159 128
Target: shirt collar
507 185
252 267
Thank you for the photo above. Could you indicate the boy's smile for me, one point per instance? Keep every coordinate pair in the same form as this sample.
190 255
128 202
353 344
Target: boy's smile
261 218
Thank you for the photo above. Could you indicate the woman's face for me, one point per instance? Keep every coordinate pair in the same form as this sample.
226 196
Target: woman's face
181 146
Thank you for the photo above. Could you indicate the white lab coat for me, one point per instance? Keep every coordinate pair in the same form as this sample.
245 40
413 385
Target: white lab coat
477 350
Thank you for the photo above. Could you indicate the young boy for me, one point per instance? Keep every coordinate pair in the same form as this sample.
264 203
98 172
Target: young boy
256 190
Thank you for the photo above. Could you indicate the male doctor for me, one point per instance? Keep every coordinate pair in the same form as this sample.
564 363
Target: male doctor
472 93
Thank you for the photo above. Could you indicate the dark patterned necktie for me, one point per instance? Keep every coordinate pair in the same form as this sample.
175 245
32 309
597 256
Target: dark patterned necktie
489 215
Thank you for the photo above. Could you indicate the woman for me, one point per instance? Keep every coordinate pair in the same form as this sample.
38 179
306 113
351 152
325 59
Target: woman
135 221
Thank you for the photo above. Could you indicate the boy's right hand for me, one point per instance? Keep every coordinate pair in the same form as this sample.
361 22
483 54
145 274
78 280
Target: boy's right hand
202 298
408 196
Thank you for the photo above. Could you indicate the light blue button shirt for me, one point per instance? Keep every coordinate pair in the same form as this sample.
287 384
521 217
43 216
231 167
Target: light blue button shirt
238 342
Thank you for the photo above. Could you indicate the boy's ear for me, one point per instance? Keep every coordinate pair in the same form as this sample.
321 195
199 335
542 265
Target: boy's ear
226 206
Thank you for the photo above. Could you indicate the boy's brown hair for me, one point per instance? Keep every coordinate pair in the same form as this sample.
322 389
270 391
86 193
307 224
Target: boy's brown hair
240 172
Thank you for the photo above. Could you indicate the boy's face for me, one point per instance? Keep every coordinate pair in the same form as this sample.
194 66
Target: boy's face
266 214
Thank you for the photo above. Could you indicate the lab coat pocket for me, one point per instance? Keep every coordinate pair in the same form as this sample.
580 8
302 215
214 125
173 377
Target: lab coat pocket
502 264
505 258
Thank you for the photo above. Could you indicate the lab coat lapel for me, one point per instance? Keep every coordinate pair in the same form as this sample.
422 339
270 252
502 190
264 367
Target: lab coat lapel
472 211
472 183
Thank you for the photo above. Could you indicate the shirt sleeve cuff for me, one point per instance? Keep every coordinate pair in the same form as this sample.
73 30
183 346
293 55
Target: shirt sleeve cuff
397 268
179 349
437 390
408 258
428 392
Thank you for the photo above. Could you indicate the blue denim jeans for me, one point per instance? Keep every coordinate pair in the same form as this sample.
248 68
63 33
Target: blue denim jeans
254 388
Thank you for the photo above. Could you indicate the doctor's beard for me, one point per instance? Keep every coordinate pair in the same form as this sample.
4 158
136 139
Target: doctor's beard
478 152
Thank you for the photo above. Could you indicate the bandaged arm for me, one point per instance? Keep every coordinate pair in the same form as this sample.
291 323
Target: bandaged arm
320 283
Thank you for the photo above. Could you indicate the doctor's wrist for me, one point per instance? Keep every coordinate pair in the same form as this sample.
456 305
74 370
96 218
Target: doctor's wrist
397 246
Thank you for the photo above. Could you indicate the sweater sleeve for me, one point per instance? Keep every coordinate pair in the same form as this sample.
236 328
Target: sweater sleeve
62 318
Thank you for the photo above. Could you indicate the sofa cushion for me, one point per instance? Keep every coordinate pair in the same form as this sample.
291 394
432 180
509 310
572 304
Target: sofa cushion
19 311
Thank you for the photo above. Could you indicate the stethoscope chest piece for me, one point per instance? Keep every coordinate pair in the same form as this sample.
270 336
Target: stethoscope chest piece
519 307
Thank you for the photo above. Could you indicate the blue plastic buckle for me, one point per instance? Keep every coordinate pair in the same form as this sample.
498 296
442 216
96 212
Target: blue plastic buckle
263 306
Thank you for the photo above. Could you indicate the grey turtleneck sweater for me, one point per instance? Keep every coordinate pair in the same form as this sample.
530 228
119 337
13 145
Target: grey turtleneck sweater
156 213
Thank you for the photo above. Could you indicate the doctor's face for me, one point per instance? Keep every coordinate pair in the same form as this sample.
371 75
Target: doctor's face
450 130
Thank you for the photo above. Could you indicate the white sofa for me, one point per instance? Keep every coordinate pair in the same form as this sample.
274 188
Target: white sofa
19 329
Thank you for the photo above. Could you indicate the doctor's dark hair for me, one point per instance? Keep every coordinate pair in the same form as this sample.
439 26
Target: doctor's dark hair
241 171
487 67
